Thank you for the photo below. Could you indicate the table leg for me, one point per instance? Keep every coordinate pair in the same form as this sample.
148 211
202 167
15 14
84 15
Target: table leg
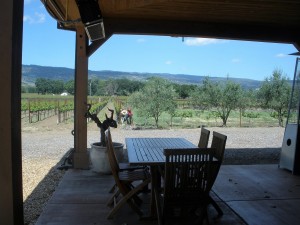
155 184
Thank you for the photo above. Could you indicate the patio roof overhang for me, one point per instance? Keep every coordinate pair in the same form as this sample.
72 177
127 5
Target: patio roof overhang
265 20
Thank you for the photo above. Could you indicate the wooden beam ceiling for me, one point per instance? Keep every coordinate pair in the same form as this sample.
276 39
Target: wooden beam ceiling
255 20
198 29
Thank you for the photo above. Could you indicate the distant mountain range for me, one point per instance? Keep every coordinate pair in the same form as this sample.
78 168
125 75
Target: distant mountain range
31 72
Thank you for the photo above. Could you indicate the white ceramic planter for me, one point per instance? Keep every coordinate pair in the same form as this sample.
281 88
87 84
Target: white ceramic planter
99 158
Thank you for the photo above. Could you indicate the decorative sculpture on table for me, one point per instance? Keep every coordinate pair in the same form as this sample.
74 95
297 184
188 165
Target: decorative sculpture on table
108 122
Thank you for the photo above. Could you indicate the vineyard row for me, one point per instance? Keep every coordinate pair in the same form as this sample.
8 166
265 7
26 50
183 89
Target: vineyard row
37 110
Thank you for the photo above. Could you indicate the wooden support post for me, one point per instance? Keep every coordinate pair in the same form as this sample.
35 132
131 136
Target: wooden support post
11 196
81 158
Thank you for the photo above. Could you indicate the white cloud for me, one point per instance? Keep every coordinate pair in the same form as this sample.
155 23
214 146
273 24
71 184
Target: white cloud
168 62
25 18
201 41
236 60
141 40
37 18
27 1
281 55
40 17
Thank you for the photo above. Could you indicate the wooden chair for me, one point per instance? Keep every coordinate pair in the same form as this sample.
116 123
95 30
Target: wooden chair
126 167
204 137
189 177
124 181
203 142
123 166
218 143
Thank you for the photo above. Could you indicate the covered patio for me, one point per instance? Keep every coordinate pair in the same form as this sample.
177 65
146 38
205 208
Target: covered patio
266 20
247 194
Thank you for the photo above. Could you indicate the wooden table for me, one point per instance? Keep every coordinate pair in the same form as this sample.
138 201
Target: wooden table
149 152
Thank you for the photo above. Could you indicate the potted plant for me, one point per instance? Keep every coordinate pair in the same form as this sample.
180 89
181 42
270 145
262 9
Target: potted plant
98 152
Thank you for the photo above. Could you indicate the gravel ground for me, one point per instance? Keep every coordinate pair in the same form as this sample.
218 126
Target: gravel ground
45 144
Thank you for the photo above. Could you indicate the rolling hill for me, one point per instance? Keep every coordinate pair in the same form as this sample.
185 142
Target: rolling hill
31 72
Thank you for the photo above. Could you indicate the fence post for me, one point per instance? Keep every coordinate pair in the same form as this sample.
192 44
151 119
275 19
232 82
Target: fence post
29 113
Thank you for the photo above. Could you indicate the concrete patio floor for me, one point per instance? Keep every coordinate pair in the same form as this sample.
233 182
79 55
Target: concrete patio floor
247 194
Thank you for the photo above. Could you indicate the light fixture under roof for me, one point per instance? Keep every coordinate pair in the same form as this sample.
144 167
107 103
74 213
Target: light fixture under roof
92 19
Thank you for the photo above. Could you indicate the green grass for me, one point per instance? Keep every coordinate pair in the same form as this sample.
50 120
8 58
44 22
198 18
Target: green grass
207 118
185 118
50 96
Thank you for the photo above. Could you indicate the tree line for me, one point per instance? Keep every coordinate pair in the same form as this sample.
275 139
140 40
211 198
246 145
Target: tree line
98 87
159 95
156 95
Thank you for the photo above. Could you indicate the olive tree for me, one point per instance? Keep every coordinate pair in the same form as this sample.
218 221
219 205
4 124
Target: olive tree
156 97
247 101
220 97
274 93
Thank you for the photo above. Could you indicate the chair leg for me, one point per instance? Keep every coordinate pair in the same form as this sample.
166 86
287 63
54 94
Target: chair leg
158 207
216 206
112 190
111 200
203 215
136 198
128 197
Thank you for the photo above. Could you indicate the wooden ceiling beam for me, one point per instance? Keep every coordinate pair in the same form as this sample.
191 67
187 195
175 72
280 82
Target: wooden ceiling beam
98 43
201 29
297 45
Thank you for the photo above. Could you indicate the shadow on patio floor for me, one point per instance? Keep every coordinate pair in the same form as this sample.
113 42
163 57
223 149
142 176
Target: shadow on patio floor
248 194
81 198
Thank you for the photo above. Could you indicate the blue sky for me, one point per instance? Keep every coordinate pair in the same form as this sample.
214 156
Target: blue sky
45 45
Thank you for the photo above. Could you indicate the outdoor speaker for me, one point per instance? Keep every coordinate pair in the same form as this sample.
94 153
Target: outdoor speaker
92 19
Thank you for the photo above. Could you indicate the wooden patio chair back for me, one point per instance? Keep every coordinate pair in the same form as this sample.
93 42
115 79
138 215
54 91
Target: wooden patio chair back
115 170
115 165
219 143
124 179
189 177
204 137
111 153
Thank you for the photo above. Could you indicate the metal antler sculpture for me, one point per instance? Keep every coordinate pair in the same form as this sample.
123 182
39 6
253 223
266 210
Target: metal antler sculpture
108 122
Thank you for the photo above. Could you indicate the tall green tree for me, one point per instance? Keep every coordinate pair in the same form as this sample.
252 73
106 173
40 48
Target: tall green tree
57 86
28 89
101 88
111 87
43 86
156 97
93 86
70 87
184 90
220 97
274 93
127 87
247 100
